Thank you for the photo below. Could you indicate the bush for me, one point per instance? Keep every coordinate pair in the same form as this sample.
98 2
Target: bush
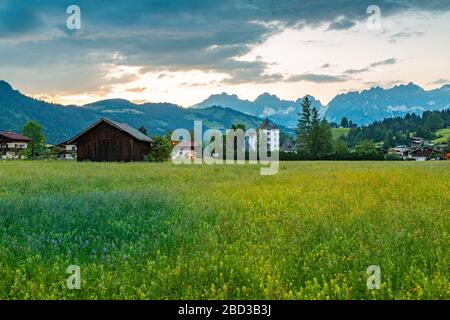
159 150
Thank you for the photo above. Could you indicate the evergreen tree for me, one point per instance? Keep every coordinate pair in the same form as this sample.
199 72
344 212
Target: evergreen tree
304 123
326 139
313 145
388 139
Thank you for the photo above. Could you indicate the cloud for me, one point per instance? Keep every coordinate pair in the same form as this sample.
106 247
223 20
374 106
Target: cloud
370 67
317 78
441 81
383 63
157 35
341 24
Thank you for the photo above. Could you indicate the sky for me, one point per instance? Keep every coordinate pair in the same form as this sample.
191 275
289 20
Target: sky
182 51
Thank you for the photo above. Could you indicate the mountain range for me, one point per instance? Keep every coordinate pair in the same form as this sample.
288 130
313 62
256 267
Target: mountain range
363 107
218 111
62 122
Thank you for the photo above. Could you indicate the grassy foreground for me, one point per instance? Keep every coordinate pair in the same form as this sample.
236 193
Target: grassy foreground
159 231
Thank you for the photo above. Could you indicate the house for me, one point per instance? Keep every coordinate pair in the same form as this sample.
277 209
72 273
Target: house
288 146
273 135
425 153
403 151
418 142
12 144
441 147
107 140
185 150
68 151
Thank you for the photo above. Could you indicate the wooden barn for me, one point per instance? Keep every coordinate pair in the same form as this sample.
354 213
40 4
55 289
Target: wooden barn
110 141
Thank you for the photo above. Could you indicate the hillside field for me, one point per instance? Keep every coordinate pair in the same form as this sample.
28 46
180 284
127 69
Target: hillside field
339 132
160 231
442 135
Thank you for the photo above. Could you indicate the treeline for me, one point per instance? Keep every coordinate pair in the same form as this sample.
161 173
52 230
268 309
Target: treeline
397 131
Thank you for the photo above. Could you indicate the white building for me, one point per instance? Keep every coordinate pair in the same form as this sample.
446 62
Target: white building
273 135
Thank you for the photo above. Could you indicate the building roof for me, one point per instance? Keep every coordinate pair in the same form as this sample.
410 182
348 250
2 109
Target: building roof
266 125
15 136
121 126
287 144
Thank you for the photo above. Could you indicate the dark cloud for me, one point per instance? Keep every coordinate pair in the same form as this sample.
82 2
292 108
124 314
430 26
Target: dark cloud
166 34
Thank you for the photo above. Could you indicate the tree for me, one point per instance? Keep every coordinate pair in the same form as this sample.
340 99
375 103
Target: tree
326 139
340 149
238 126
304 123
367 150
434 122
313 144
143 130
344 122
320 139
160 149
388 139
36 147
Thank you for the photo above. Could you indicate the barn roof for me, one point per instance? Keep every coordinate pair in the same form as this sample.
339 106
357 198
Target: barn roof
121 126
14 136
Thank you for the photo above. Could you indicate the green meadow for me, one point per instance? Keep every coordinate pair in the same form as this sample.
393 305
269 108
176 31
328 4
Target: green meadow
160 231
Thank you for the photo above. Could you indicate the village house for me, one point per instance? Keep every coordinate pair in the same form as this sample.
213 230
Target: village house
418 142
288 146
12 145
184 150
441 147
68 152
427 153
108 141
402 151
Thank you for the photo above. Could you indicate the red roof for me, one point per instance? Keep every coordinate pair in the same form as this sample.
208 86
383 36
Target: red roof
14 136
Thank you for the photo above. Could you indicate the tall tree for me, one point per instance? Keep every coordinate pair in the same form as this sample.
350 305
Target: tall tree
33 130
313 144
304 123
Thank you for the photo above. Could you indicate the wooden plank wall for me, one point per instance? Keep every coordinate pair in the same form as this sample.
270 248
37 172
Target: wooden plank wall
105 142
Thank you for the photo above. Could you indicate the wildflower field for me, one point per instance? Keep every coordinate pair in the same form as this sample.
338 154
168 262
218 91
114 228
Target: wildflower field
160 231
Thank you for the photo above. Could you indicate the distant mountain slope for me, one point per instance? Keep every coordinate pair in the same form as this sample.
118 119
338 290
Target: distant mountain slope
280 111
362 107
62 122
377 103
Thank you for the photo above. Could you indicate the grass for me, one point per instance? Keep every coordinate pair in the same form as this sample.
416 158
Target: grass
159 231
443 135
339 132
